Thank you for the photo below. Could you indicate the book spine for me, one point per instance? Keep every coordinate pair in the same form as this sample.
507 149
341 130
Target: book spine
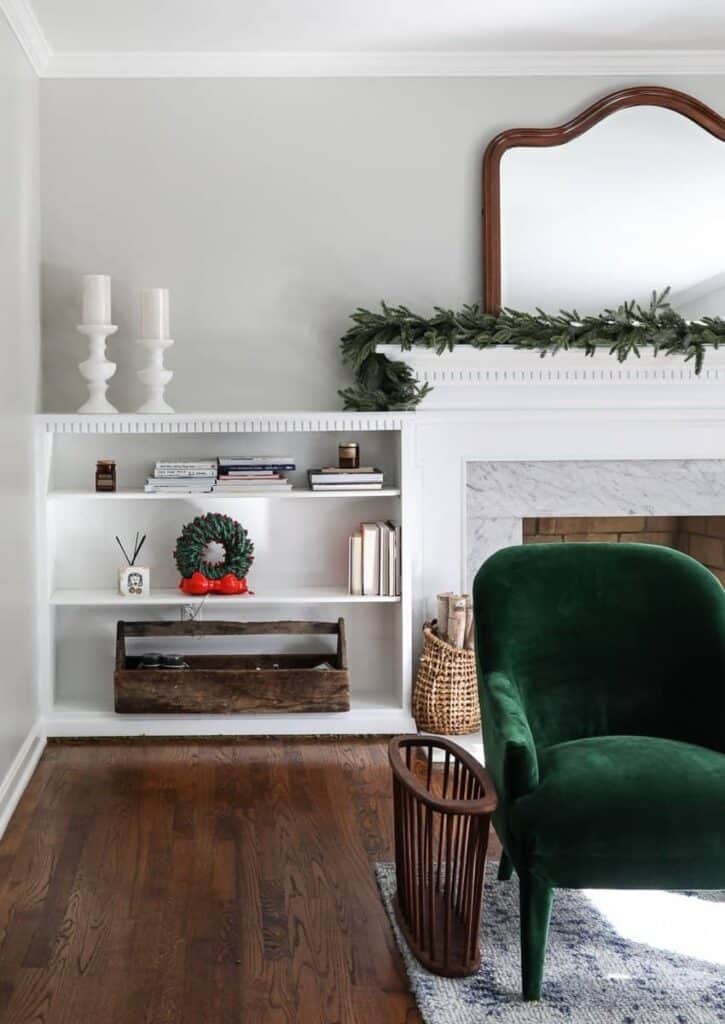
371 559
355 564
265 467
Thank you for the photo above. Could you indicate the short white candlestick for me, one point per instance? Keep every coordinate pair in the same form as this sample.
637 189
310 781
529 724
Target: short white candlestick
155 377
97 370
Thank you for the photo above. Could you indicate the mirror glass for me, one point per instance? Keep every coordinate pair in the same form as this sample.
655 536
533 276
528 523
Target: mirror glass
634 204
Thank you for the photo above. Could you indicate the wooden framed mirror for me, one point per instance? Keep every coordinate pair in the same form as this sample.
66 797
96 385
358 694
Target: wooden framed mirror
627 197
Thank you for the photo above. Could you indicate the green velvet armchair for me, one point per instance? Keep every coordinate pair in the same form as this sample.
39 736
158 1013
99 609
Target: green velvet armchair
601 673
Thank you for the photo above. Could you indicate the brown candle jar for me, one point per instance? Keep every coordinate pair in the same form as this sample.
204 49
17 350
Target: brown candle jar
349 455
105 475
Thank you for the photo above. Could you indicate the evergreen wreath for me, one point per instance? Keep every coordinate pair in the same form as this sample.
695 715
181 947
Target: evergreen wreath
204 530
381 383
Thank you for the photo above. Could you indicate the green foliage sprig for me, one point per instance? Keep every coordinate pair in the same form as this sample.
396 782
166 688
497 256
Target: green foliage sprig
381 383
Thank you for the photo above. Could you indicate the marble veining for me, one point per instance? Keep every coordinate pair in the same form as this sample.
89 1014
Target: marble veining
500 494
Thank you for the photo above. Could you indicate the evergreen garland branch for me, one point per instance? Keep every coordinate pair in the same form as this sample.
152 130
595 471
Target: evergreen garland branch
381 383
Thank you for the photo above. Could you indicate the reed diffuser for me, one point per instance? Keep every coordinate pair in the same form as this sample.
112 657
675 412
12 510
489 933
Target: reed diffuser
134 580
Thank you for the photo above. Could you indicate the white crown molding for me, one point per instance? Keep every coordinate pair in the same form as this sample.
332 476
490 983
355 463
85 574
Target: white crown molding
25 25
383 64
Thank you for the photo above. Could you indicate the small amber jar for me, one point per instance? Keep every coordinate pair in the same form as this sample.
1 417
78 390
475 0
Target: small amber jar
349 455
105 475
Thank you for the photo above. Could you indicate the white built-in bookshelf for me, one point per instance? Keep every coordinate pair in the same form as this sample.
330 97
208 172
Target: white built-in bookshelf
300 568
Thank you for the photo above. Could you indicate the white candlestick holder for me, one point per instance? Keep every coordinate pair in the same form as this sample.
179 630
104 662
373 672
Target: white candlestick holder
97 370
154 376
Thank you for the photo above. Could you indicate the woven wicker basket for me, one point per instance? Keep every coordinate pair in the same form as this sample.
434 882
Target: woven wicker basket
445 698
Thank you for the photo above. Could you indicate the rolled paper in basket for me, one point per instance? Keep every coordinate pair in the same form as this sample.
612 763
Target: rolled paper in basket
442 613
468 642
457 620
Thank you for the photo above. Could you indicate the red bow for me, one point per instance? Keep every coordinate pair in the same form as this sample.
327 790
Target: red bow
198 584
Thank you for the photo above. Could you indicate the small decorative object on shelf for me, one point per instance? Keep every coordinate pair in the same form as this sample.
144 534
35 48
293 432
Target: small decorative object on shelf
349 455
155 338
200 573
134 580
442 823
445 696
96 326
105 475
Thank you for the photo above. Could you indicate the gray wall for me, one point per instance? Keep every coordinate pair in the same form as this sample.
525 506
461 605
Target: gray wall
271 208
19 373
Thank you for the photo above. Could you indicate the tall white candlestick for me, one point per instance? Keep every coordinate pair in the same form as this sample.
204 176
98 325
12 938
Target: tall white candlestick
155 313
96 299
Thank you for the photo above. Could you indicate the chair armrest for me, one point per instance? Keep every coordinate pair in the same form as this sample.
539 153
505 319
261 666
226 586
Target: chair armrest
508 740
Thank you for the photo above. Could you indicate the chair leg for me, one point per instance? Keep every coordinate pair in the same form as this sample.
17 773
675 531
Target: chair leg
535 903
505 867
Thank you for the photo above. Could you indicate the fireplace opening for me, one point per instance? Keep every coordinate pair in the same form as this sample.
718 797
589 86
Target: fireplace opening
702 537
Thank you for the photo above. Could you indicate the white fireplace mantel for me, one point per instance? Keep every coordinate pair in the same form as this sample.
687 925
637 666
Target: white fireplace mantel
504 405
503 376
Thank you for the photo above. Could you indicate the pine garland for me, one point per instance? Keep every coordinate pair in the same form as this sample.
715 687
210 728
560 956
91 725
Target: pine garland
224 530
381 383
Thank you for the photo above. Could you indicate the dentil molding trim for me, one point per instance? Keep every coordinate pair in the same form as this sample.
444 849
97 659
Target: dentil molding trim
504 377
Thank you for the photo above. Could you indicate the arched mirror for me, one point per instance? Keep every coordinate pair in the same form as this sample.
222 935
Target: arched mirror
627 197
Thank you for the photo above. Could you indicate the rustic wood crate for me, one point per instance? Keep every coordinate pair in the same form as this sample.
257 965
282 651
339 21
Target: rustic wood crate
233 683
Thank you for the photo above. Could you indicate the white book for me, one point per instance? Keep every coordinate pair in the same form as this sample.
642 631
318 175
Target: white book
252 460
182 489
392 560
346 487
395 528
185 481
370 559
348 479
355 564
383 554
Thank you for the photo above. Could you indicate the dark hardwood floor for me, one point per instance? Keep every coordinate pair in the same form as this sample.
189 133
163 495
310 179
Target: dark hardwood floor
201 883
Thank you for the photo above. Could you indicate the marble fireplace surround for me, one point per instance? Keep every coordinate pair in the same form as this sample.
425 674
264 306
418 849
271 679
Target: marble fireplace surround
499 495
476 473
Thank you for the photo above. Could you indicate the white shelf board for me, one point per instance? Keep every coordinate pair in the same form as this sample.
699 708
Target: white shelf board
58 495
295 596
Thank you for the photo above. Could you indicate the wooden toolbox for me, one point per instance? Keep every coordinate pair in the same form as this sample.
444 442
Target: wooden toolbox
232 683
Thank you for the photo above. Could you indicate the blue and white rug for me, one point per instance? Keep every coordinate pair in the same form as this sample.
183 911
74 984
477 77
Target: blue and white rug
612 958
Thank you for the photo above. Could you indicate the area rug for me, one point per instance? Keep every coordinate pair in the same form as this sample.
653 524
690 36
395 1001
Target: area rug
612 958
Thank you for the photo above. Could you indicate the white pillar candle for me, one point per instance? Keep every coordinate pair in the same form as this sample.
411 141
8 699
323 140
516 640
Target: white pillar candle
155 313
96 299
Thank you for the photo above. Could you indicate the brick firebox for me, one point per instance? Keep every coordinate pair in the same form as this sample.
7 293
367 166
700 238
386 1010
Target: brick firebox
702 537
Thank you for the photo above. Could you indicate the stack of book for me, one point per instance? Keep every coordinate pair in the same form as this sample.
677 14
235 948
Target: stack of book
374 560
254 474
332 478
182 477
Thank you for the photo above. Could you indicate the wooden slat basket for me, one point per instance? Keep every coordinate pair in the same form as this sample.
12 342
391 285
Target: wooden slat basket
442 821
233 683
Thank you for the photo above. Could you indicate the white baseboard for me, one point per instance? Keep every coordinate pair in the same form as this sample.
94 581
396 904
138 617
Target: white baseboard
19 774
